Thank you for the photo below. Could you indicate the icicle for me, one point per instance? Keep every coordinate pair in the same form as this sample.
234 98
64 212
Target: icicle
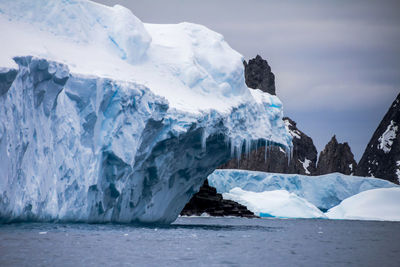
248 147
232 147
238 153
289 153
239 150
265 151
204 140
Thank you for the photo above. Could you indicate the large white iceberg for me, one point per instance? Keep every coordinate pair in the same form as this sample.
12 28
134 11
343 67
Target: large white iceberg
104 118
325 191
377 204
277 203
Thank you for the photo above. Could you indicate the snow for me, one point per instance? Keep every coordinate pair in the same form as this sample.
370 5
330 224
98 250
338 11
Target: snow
351 169
104 118
386 140
306 164
325 191
110 42
277 203
398 170
295 133
377 204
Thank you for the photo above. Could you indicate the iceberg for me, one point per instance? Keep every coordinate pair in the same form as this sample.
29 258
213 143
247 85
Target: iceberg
106 119
377 204
325 191
277 203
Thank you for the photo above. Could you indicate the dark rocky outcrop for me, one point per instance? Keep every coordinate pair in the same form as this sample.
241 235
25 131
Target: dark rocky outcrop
303 161
258 75
207 200
336 157
382 155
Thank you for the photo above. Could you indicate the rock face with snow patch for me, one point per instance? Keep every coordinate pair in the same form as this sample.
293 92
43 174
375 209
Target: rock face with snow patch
275 159
121 141
258 75
381 157
336 157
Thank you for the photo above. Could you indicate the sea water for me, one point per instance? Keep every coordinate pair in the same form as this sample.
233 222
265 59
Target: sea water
203 241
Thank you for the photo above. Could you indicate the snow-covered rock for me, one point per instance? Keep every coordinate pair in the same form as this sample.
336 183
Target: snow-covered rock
104 118
386 140
381 157
376 204
277 203
325 191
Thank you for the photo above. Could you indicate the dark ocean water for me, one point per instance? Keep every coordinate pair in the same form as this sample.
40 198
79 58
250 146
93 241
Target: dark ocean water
204 242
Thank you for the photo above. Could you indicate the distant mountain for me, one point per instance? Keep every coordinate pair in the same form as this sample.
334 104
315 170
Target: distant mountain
336 157
382 154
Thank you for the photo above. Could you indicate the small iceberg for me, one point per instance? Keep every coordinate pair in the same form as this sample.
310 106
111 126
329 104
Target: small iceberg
377 204
277 203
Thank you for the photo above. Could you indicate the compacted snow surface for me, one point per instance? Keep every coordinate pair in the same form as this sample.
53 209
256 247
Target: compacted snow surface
104 118
277 203
378 204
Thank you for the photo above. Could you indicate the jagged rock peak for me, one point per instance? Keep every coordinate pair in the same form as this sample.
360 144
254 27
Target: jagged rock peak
336 157
381 157
258 75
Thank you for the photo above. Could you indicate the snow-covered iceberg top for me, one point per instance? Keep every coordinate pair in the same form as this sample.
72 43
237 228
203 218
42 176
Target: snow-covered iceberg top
325 191
277 203
104 118
377 204
188 64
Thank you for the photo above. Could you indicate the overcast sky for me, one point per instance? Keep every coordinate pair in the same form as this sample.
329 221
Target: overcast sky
337 63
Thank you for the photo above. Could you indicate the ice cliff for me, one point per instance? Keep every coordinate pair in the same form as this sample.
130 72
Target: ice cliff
104 118
324 191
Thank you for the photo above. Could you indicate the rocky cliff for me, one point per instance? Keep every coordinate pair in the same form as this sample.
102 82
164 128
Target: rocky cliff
258 75
336 157
382 155
207 200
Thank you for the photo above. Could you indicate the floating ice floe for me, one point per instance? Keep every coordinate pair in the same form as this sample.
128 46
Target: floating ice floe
277 203
377 204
